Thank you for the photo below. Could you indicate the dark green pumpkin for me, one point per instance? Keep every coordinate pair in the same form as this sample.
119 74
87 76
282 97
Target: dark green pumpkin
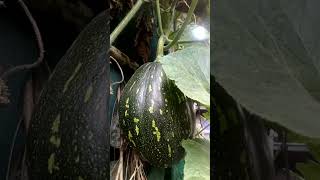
68 137
155 116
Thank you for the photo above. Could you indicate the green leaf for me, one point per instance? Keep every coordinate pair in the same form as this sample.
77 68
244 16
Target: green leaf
266 64
190 69
310 171
197 160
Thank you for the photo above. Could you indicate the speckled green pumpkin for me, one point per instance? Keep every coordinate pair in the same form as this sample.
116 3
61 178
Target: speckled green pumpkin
68 136
155 116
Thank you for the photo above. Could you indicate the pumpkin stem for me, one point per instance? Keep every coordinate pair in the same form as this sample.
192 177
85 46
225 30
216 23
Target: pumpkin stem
159 17
160 47
115 33
184 25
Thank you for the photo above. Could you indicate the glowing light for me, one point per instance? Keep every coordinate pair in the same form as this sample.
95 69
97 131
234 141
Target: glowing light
200 33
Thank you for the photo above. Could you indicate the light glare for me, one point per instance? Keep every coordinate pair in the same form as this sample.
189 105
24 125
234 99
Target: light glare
200 33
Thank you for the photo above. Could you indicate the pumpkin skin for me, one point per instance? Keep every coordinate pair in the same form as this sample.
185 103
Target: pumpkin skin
69 134
155 116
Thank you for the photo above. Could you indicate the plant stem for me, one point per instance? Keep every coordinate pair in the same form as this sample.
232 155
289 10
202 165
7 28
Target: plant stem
184 25
36 30
115 33
202 130
160 47
173 11
159 17
122 58
186 41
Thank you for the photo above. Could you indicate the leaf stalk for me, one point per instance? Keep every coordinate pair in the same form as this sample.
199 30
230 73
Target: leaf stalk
115 33
184 25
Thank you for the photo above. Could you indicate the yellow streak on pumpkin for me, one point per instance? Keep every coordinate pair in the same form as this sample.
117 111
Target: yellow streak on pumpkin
66 85
150 88
111 90
56 124
137 90
77 159
151 107
127 103
136 120
51 163
137 130
126 113
88 94
169 150
55 141
130 138
132 85
156 132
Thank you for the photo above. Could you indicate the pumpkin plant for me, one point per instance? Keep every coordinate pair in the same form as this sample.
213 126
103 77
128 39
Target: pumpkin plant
156 112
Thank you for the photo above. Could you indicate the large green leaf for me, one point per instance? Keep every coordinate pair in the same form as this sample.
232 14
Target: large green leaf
304 15
266 64
190 69
310 171
197 160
